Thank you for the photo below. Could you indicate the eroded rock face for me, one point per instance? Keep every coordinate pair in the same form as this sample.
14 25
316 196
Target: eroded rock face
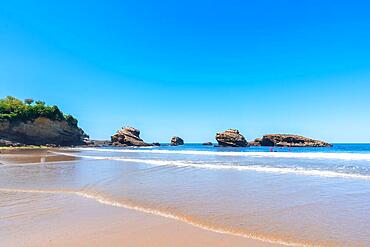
128 136
42 131
287 140
176 141
231 138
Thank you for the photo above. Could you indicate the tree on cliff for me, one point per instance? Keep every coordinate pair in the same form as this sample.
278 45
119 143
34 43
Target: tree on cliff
28 101
12 108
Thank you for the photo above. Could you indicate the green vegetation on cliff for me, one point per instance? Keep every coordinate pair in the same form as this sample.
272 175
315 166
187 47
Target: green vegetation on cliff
14 109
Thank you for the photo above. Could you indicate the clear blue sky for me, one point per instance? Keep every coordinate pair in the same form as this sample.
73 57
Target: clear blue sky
194 68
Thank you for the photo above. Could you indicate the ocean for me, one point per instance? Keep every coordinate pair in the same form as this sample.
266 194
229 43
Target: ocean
292 196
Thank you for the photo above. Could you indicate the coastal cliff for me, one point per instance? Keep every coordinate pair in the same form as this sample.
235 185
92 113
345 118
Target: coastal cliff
37 124
41 131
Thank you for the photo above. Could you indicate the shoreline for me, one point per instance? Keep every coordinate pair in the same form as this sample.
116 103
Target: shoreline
164 215
70 173
204 234
240 238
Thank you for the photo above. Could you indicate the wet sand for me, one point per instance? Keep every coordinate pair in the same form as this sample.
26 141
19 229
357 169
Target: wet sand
39 219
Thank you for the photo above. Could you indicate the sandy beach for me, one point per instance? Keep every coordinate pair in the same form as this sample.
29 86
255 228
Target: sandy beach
183 196
48 219
59 220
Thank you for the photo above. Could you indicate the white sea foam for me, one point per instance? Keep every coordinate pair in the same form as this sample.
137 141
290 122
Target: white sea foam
304 155
102 200
256 168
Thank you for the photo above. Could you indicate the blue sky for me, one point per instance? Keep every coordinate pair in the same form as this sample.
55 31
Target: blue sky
194 68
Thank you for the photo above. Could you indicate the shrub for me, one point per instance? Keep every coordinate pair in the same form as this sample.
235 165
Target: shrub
71 120
14 109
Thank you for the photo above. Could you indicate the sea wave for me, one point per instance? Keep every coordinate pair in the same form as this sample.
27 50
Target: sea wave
304 155
182 218
225 166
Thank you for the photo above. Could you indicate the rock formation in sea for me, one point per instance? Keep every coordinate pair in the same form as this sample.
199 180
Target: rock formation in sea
207 143
231 138
176 141
128 136
256 142
98 143
287 140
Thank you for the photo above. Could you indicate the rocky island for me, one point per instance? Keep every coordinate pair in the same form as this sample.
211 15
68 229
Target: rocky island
35 123
128 136
231 138
288 140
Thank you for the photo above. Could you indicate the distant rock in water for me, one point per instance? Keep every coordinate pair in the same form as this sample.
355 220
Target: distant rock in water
98 143
128 136
156 144
287 140
207 144
231 138
176 141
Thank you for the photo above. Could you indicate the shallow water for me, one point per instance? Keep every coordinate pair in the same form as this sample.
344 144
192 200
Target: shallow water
299 196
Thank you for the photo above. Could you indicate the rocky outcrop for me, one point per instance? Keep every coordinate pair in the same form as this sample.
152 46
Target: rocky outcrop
231 138
7 143
128 136
176 141
287 140
97 143
42 131
256 142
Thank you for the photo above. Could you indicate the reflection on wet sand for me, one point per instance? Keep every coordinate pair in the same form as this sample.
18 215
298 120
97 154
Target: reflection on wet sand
34 217
33 156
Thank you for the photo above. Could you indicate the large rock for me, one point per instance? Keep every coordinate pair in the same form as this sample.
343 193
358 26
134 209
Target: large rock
287 140
176 141
231 138
41 131
128 136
